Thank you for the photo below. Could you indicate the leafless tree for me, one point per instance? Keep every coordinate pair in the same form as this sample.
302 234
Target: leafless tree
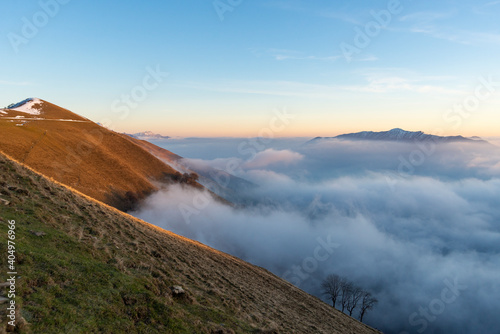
355 294
332 287
367 303
350 297
345 289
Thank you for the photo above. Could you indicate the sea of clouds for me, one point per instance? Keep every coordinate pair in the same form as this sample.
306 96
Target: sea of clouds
418 225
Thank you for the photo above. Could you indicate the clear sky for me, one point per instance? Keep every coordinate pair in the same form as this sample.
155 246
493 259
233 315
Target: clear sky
232 63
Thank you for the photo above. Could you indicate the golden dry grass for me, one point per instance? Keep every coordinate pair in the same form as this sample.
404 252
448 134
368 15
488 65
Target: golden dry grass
100 163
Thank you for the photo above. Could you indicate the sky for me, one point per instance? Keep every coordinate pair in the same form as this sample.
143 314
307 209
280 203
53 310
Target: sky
227 67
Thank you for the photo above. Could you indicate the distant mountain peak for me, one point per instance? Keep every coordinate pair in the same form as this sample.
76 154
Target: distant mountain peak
398 131
400 135
146 135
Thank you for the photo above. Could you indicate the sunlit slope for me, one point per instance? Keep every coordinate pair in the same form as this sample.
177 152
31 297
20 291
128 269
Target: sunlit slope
85 267
79 153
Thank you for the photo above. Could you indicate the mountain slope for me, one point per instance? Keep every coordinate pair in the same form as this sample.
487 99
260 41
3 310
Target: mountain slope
400 135
81 154
85 267
222 183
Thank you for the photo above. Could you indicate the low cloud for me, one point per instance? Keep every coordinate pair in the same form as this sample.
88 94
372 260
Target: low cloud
348 208
273 157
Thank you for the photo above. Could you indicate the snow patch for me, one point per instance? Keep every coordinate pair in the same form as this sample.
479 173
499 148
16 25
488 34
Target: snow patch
29 106
147 135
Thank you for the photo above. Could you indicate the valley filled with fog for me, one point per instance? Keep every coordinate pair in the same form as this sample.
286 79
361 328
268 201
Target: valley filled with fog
417 224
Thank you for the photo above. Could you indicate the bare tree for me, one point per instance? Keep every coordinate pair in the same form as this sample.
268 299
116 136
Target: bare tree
342 291
332 287
355 294
345 289
367 303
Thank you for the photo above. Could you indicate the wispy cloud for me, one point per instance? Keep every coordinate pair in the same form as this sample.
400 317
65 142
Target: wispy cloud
459 36
366 58
428 23
492 3
284 54
285 57
276 88
296 55
305 8
426 17
373 81
340 16
486 9
15 83
388 80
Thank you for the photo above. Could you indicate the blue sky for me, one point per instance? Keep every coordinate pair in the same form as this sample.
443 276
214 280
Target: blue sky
228 77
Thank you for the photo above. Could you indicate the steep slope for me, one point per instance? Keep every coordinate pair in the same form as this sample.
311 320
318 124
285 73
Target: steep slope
85 267
81 154
222 183
400 135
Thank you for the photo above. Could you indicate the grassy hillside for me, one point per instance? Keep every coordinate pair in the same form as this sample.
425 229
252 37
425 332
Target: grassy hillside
85 267
83 155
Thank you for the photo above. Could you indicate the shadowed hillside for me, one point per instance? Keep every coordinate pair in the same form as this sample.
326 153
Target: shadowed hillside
85 267
222 183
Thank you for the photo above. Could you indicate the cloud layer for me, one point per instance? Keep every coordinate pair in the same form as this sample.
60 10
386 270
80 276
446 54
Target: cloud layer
422 234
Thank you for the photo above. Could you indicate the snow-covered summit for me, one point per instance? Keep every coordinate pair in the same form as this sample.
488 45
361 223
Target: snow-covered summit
30 106
394 134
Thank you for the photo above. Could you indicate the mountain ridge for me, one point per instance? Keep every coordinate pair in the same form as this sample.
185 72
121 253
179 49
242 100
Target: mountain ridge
400 135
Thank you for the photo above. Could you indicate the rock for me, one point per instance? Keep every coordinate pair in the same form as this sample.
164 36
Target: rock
38 233
3 300
20 327
5 202
177 291
21 322
222 331
22 192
